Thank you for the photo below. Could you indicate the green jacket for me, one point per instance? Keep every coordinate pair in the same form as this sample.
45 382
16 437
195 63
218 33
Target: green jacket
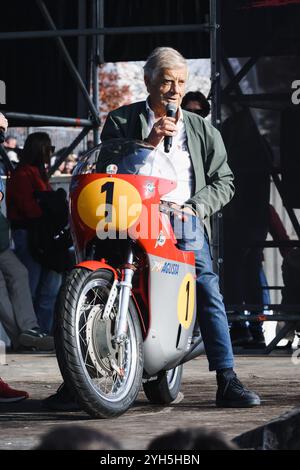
213 186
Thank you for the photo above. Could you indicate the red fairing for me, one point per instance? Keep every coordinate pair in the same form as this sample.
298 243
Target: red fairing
94 265
150 217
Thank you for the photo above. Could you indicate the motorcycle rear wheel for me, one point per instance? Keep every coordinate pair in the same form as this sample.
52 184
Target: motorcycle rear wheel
85 346
165 388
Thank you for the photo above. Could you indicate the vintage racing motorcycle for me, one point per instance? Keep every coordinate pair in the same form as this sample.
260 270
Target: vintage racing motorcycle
127 311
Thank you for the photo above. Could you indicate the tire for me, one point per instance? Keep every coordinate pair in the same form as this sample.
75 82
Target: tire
83 345
165 388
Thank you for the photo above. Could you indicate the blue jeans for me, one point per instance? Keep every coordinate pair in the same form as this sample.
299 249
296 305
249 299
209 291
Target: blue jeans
212 318
44 283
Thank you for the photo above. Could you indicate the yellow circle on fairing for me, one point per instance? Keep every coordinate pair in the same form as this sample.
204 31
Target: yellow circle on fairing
186 300
111 202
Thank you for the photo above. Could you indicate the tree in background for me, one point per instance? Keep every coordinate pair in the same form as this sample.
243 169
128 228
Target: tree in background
113 92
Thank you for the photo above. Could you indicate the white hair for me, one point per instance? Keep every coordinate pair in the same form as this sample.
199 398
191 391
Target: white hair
163 58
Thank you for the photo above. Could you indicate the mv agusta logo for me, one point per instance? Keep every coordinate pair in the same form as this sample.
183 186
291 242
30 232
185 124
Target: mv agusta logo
166 268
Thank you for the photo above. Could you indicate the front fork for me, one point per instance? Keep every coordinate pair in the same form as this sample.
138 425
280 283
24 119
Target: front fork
125 287
125 292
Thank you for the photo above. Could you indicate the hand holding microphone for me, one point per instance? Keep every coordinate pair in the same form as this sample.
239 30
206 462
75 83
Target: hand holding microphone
164 128
171 110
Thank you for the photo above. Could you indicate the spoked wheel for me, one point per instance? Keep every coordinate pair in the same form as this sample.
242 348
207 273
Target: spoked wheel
165 388
105 377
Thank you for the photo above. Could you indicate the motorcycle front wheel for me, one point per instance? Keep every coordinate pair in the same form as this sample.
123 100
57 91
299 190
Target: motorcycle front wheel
87 354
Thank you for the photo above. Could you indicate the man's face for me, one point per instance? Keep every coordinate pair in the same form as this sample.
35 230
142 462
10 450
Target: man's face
193 106
168 87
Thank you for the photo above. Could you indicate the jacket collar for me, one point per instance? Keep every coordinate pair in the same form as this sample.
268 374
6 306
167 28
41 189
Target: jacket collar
143 120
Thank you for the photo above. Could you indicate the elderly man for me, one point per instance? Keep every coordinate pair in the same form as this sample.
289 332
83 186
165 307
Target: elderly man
205 185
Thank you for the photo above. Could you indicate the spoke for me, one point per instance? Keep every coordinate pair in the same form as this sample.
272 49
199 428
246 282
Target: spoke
84 316
87 351
114 380
97 374
84 306
83 340
83 326
105 384
98 295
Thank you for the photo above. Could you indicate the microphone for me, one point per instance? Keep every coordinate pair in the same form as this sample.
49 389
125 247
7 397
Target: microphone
171 112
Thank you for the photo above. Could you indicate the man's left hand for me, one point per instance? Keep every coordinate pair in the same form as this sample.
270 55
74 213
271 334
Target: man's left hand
185 211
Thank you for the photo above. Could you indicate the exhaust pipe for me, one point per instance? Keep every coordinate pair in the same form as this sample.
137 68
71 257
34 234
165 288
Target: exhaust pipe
196 350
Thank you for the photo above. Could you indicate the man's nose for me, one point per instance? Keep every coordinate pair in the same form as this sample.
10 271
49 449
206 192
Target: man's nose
175 88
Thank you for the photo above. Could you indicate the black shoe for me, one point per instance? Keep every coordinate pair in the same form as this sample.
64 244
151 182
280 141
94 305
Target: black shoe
35 339
231 393
62 400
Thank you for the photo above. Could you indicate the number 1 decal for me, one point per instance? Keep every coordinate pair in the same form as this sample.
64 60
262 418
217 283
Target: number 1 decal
106 204
109 189
186 301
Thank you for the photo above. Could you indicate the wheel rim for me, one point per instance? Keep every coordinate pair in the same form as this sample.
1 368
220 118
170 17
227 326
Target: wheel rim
172 375
95 346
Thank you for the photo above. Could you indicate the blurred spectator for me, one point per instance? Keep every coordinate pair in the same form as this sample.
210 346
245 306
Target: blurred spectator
10 142
10 145
90 144
9 394
195 102
70 163
77 438
246 225
54 159
60 170
192 439
25 214
62 400
16 310
3 128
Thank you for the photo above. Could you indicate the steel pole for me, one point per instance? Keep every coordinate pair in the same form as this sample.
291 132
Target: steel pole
69 62
95 69
53 120
217 226
59 33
